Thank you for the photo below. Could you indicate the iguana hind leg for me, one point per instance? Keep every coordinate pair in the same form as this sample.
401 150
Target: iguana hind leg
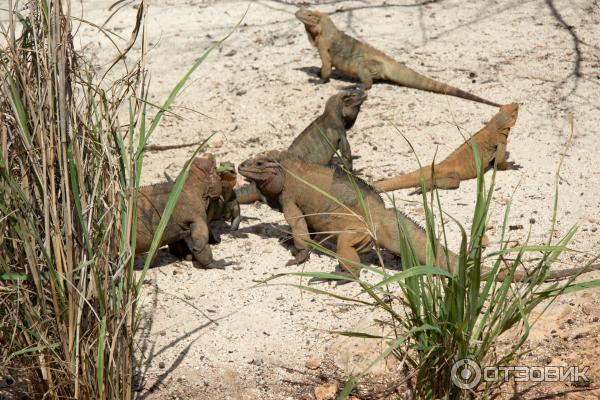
367 70
349 245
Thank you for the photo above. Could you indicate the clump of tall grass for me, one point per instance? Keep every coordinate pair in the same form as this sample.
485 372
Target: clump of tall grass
437 318
67 290
69 174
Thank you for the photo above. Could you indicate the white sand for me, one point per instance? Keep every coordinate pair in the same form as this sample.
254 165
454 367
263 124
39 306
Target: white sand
256 95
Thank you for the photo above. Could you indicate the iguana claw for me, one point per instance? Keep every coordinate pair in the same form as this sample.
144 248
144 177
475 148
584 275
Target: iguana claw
218 264
301 257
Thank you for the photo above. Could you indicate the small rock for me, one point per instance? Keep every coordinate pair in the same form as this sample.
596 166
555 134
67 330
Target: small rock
326 392
241 92
231 53
564 335
174 272
216 144
472 75
161 365
237 267
485 241
515 227
313 363
532 221
587 308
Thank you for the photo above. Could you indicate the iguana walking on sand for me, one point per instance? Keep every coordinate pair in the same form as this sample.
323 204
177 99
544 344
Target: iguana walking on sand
282 178
460 164
320 141
189 220
356 59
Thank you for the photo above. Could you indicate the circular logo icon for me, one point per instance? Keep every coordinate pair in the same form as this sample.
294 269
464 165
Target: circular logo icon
465 373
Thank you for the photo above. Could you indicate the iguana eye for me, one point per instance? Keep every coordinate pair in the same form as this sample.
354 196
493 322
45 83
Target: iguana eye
259 163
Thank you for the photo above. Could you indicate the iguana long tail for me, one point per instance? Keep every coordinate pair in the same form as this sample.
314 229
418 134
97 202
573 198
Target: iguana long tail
412 179
402 75
389 238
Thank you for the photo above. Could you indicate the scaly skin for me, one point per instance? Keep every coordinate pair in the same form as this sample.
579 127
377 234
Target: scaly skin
320 141
356 59
460 164
305 209
189 219
282 178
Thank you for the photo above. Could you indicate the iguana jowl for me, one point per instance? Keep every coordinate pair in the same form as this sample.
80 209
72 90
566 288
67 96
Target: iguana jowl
282 178
356 59
320 141
201 194
460 164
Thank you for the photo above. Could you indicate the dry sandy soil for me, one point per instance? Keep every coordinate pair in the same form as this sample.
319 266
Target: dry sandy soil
209 334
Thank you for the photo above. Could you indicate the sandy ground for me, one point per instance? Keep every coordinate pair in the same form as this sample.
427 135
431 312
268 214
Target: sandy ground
208 334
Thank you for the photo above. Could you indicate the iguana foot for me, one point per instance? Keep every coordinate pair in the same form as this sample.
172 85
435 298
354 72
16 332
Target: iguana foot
213 238
285 239
218 264
344 278
508 165
301 257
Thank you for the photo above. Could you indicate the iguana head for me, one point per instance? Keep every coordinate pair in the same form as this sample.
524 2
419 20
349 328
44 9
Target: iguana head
504 120
228 175
206 169
346 105
315 23
351 102
266 170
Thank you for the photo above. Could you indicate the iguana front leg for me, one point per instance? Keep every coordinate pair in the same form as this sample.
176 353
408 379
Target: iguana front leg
200 237
346 151
295 219
501 163
232 211
325 61
349 245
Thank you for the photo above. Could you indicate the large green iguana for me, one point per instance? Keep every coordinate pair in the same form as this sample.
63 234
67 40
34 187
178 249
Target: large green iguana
202 191
460 164
282 178
319 142
356 59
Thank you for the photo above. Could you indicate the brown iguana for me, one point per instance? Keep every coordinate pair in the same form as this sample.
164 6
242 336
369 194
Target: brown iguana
226 207
460 164
282 178
189 220
319 142
307 209
356 59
